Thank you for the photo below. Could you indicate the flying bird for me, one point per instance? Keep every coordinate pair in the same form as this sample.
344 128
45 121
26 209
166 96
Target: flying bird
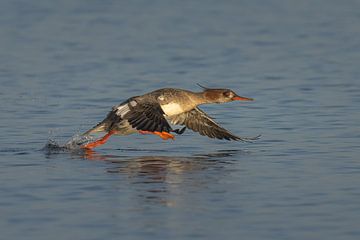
153 112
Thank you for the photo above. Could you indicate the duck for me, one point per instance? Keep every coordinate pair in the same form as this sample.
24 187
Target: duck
156 111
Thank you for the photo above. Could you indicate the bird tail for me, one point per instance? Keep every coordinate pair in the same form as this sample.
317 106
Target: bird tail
100 127
105 125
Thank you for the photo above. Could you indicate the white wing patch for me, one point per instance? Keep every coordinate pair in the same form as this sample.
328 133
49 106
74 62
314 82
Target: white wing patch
122 110
133 103
171 109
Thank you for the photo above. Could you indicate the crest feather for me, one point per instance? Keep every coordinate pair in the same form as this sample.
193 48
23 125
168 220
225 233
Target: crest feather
205 88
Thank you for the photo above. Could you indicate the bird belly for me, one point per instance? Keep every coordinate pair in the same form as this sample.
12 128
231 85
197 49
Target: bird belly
172 108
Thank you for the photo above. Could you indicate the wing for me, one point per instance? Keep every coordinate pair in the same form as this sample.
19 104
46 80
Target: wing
146 116
199 121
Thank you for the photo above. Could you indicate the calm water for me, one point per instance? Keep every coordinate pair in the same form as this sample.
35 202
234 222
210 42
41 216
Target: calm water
63 65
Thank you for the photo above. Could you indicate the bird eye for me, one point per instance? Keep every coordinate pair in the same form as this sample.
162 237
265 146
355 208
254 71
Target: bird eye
228 94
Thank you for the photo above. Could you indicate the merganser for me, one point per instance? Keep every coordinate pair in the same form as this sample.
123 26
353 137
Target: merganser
152 112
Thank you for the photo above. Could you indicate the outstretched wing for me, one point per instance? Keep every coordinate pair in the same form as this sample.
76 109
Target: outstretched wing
145 116
199 121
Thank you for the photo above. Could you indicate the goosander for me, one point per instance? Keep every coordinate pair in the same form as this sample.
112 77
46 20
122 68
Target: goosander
152 112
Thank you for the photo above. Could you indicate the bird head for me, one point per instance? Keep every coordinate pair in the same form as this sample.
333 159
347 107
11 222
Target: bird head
220 95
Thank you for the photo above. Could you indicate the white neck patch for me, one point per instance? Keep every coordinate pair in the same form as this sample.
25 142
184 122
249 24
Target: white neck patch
172 108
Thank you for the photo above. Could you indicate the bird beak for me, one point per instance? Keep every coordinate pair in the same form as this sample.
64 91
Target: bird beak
239 98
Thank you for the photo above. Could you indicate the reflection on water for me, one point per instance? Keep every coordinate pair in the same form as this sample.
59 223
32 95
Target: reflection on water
159 179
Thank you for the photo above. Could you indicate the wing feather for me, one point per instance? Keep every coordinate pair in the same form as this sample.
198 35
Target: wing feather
200 122
147 116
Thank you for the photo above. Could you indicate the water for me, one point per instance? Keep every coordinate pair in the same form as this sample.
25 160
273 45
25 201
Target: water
64 64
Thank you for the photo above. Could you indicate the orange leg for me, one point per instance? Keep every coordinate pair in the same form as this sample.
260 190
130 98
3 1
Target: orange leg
163 135
100 141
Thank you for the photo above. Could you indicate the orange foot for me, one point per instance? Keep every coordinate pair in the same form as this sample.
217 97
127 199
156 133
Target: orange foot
163 135
100 141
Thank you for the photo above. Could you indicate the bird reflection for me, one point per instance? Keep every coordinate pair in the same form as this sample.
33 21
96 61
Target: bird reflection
164 179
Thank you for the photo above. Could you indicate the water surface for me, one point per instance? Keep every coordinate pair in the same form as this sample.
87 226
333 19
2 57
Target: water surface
63 65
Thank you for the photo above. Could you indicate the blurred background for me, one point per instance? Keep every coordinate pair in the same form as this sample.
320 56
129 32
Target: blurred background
64 64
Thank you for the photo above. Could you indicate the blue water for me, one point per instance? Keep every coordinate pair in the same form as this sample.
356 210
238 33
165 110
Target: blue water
64 64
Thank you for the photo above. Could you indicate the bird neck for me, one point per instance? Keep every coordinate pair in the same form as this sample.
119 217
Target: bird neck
203 97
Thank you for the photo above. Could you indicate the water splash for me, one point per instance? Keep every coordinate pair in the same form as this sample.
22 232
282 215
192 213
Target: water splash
78 140
74 143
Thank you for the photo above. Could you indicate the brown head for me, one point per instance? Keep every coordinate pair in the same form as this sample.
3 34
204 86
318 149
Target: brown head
218 95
